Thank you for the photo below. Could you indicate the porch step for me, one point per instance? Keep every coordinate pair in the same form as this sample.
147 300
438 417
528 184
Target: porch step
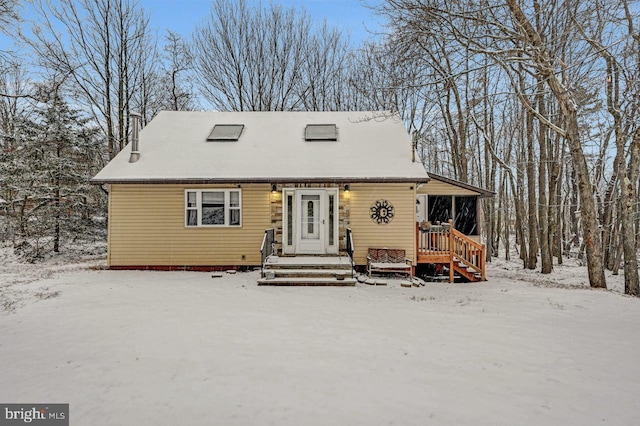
308 271
311 273
308 262
308 281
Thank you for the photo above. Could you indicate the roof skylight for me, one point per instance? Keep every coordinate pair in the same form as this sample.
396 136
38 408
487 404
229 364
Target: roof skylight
321 132
225 132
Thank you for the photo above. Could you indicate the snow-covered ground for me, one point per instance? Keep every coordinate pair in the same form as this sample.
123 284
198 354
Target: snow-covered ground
167 348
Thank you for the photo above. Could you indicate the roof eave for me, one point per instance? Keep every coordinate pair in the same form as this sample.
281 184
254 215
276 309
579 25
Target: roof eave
270 180
483 193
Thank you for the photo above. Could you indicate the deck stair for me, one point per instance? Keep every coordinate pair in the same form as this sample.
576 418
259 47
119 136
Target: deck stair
448 247
308 271
461 269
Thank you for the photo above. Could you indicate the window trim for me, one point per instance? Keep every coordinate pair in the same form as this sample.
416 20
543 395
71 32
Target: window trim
198 208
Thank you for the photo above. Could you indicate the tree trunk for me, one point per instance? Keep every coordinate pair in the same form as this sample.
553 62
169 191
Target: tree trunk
518 196
532 260
568 106
593 245
556 180
543 205
628 200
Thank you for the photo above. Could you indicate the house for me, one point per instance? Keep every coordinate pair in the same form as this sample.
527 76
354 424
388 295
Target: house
208 190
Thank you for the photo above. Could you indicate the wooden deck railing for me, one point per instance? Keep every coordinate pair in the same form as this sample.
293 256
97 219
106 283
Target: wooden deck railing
468 252
445 244
433 244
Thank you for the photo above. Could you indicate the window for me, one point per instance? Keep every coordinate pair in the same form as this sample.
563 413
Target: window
225 132
440 208
213 207
321 132
467 215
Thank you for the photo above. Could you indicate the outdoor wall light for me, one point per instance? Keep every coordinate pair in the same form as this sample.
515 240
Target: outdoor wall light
274 188
346 188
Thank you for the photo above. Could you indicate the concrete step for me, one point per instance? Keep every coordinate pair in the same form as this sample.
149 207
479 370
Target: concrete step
307 266
308 262
315 273
308 281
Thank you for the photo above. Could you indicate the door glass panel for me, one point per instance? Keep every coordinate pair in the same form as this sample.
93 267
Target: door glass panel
310 217
331 219
289 219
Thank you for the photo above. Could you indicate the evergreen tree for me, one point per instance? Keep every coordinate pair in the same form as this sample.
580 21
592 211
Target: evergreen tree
48 175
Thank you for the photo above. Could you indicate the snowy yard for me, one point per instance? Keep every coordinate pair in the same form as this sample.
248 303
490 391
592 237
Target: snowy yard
167 348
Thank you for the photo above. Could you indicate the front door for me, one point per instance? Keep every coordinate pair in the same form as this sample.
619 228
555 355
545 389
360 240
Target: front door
310 221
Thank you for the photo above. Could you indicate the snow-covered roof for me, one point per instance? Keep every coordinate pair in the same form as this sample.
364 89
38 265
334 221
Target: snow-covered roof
371 146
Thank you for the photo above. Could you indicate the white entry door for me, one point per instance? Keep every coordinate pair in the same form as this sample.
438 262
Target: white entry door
310 223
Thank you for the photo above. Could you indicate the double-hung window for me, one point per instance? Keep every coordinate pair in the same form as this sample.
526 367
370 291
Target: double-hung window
213 207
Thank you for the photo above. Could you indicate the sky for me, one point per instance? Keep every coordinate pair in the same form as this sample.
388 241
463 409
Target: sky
351 16
181 16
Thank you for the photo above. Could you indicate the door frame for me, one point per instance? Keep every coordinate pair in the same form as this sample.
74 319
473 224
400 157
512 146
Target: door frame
291 243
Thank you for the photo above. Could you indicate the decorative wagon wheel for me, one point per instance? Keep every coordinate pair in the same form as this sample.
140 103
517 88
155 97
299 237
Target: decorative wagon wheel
381 212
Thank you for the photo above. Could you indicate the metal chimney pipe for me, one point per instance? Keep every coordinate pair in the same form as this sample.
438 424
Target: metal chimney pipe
135 142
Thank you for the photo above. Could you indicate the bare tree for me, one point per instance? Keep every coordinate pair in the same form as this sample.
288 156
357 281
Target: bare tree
177 69
104 48
254 58
325 71
13 84
250 58
516 37
8 15
621 70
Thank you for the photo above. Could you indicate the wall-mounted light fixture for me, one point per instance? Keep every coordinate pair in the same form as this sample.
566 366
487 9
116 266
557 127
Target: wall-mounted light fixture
346 188
274 188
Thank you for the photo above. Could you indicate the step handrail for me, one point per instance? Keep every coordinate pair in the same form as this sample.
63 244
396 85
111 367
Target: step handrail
350 248
470 253
267 248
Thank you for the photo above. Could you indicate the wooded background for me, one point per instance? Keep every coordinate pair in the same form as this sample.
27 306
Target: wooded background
536 100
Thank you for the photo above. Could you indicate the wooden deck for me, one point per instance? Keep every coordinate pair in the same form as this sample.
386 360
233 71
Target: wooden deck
445 245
